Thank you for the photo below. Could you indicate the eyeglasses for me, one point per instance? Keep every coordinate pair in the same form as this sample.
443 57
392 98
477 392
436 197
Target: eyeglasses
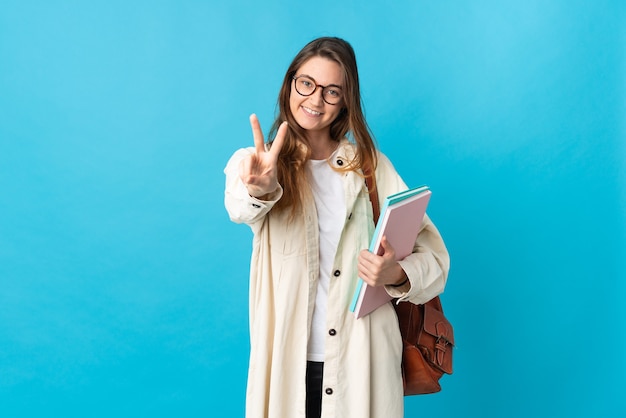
306 86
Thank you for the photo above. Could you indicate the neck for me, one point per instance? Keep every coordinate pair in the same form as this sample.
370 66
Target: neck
321 145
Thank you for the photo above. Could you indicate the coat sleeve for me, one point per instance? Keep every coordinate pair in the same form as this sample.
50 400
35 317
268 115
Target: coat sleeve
241 207
427 267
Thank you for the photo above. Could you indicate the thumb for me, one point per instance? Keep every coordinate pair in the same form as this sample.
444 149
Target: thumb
388 249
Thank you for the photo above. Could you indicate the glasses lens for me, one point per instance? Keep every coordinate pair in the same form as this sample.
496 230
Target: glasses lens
332 94
304 85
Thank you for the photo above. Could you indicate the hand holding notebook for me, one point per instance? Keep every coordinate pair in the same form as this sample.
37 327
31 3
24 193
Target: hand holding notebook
400 222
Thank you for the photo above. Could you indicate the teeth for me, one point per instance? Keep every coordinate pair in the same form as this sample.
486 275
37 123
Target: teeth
311 111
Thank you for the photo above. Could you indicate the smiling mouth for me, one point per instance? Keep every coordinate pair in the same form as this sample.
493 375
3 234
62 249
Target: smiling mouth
311 111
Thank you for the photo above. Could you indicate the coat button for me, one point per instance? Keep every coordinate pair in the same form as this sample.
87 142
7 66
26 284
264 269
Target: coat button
336 273
329 391
254 205
332 332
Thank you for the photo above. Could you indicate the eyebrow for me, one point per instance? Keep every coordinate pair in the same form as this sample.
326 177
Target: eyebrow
327 85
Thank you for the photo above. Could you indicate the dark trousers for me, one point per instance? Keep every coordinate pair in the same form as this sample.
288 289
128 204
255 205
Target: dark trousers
314 374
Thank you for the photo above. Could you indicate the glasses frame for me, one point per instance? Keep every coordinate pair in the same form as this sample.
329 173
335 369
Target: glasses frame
295 78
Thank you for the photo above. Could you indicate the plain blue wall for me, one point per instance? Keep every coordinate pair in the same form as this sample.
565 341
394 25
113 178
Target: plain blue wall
123 286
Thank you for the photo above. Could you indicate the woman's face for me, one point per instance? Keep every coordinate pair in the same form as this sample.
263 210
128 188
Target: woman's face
311 112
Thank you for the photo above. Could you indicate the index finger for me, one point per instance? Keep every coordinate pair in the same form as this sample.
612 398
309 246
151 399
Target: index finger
259 142
279 140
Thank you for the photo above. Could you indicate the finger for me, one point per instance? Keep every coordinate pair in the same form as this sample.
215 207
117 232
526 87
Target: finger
279 140
245 170
367 276
364 274
387 248
366 257
367 262
259 142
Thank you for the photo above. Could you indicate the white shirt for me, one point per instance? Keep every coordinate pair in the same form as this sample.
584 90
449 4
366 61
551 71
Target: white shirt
327 188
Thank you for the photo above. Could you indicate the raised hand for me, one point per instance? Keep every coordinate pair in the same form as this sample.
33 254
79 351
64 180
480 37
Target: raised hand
258 170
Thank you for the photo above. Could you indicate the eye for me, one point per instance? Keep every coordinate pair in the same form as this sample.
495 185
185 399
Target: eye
333 93
306 83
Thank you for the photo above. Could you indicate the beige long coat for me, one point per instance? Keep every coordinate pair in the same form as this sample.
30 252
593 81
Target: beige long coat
362 373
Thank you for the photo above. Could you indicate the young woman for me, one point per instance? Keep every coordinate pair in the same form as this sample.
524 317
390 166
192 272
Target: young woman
304 196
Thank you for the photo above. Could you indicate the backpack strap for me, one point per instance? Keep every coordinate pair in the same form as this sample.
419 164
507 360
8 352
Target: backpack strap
370 182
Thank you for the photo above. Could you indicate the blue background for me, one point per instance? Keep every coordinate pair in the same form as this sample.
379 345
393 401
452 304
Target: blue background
123 285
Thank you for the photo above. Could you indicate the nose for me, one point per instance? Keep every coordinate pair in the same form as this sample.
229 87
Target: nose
316 97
